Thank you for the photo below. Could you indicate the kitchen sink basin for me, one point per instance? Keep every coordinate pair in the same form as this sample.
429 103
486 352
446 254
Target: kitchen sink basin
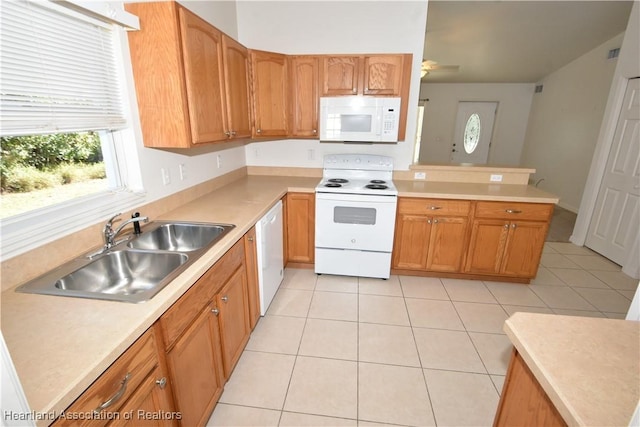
179 236
135 269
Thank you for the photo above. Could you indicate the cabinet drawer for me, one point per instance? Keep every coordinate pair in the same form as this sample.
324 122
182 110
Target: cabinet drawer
434 206
186 309
116 385
514 211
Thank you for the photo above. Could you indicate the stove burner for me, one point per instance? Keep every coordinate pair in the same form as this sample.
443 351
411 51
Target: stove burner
376 186
377 181
333 185
338 180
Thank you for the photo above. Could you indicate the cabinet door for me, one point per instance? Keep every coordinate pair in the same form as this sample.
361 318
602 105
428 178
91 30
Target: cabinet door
341 75
153 397
524 248
383 74
301 212
196 369
304 96
447 244
488 240
411 242
251 262
236 76
233 318
270 92
204 75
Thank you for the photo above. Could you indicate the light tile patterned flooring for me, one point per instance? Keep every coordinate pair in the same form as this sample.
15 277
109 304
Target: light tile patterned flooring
410 351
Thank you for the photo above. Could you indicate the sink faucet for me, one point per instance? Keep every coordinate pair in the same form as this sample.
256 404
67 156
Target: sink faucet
110 235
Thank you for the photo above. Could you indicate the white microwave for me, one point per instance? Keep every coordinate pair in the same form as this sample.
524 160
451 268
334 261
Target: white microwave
359 119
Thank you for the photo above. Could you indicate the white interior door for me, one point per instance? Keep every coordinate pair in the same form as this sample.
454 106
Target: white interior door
614 227
472 135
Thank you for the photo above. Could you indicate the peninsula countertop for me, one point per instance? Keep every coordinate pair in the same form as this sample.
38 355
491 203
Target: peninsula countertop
60 345
589 367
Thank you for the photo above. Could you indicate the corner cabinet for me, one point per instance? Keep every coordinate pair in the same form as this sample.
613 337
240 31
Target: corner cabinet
270 88
300 228
180 64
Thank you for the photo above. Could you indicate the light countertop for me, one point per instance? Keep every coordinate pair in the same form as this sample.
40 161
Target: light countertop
60 345
589 367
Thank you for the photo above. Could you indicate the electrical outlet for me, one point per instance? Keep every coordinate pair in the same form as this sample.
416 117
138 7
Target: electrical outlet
311 154
183 171
495 178
420 175
166 177
219 160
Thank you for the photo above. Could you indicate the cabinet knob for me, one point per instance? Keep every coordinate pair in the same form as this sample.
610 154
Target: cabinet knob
162 382
354 90
428 221
228 134
250 239
258 130
224 298
514 225
233 133
315 131
435 221
506 226
215 311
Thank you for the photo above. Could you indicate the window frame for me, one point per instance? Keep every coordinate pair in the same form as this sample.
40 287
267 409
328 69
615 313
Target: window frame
29 230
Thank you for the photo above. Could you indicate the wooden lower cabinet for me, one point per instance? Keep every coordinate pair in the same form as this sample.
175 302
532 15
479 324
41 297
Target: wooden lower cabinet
204 333
253 290
136 383
430 235
300 227
233 313
195 367
523 401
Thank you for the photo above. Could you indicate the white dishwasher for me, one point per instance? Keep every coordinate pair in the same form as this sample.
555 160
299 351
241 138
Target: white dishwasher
270 255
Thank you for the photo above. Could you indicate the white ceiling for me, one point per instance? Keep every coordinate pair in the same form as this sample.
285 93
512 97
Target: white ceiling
516 41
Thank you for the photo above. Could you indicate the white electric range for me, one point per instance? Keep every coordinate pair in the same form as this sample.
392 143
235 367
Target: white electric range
355 216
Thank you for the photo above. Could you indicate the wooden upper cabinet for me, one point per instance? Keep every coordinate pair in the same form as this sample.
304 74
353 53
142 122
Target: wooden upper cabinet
270 87
383 75
341 75
191 80
236 76
304 71
204 78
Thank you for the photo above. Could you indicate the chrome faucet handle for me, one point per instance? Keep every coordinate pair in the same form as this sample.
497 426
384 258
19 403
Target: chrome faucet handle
107 231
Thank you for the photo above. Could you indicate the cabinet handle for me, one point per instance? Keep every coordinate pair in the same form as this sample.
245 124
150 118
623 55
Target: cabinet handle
513 225
225 298
315 131
258 130
250 239
228 134
215 311
354 90
428 221
233 133
162 382
435 221
513 211
117 395
435 208
506 226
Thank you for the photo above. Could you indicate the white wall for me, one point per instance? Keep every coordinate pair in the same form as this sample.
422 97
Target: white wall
564 123
200 163
514 104
306 27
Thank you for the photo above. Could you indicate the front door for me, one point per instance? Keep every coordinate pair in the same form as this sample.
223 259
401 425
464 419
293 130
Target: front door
472 135
615 223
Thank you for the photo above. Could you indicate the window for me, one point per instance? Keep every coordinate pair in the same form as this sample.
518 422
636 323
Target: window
63 96
472 133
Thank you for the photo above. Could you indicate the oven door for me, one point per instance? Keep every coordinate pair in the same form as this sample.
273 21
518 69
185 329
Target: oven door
354 221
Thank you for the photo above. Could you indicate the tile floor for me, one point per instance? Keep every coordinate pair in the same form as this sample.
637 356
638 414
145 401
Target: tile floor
410 351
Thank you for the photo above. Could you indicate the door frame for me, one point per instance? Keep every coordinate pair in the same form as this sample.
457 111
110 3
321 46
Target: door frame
598 167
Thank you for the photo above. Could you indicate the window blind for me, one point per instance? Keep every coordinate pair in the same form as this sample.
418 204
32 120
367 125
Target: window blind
58 71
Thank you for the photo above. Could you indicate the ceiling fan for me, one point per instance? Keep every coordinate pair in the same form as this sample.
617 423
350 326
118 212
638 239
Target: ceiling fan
429 66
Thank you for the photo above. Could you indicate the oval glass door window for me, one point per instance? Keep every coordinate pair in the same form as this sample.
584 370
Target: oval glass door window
472 133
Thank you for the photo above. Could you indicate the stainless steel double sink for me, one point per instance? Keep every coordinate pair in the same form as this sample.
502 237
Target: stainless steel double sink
134 269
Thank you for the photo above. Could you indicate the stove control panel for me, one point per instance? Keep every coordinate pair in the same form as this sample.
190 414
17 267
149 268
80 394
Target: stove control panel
358 162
